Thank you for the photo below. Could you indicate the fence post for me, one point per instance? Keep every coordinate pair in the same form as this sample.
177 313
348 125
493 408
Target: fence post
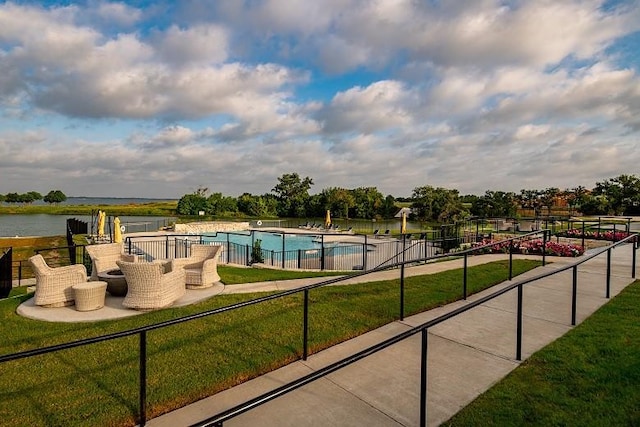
633 258
511 260
464 275
574 297
608 273
423 379
364 254
322 253
402 291
544 248
519 326
305 326
583 229
143 378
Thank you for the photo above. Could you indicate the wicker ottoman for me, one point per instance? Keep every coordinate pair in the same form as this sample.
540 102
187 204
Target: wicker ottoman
89 295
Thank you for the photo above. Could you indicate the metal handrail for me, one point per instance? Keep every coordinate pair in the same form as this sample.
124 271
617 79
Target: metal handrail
141 331
218 420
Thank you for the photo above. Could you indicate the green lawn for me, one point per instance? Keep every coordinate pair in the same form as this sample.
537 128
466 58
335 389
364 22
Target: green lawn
231 275
192 360
588 377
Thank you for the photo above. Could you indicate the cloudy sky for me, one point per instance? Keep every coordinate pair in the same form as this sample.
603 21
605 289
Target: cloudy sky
158 98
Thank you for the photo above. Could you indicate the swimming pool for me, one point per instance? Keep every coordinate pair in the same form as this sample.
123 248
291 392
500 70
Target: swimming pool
270 241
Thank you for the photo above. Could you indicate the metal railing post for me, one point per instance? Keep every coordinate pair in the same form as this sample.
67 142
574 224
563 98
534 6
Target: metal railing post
322 253
574 296
143 378
519 326
402 278
544 248
423 379
511 260
633 260
402 291
608 273
305 326
464 275
284 248
364 254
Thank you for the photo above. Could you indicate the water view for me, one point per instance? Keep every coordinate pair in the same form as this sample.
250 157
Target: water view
55 225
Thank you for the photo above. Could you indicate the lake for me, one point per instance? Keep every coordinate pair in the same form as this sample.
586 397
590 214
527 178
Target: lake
56 225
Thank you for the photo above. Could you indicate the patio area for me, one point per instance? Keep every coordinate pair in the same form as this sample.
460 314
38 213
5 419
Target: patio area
113 308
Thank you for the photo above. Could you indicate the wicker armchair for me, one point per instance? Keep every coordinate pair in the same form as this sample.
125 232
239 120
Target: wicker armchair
54 285
104 257
149 286
201 267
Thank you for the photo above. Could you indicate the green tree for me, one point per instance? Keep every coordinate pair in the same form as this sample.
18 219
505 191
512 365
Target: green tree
32 196
531 199
368 203
338 201
575 197
55 196
292 194
622 193
388 208
437 204
548 198
193 204
493 204
594 205
12 198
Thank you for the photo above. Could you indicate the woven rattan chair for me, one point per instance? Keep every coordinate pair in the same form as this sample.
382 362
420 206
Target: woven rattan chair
149 286
104 257
54 285
201 267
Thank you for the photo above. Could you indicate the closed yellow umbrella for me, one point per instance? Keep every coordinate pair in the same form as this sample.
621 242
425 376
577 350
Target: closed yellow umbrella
327 221
117 232
101 223
403 229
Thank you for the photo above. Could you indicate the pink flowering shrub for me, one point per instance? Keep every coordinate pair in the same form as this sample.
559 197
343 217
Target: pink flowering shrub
609 235
530 247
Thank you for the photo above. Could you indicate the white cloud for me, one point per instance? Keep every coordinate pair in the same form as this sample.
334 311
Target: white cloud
206 44
119 13
390 93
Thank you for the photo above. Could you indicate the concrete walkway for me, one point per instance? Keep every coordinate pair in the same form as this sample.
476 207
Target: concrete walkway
466 356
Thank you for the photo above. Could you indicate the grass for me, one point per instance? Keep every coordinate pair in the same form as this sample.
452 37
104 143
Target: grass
231 275
163 208
189 361
588 377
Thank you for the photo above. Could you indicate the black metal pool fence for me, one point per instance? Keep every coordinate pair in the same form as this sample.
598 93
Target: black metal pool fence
333 251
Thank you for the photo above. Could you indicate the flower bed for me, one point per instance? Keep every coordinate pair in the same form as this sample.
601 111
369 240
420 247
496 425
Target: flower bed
610 235
530 247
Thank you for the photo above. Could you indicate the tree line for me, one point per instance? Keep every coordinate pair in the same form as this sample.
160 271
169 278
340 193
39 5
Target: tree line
53 196
290 198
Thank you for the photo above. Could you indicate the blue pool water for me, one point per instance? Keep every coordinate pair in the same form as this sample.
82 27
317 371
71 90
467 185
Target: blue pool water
270 241
274 241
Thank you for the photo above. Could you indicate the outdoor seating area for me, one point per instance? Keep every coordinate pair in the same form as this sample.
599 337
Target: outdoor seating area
122 282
